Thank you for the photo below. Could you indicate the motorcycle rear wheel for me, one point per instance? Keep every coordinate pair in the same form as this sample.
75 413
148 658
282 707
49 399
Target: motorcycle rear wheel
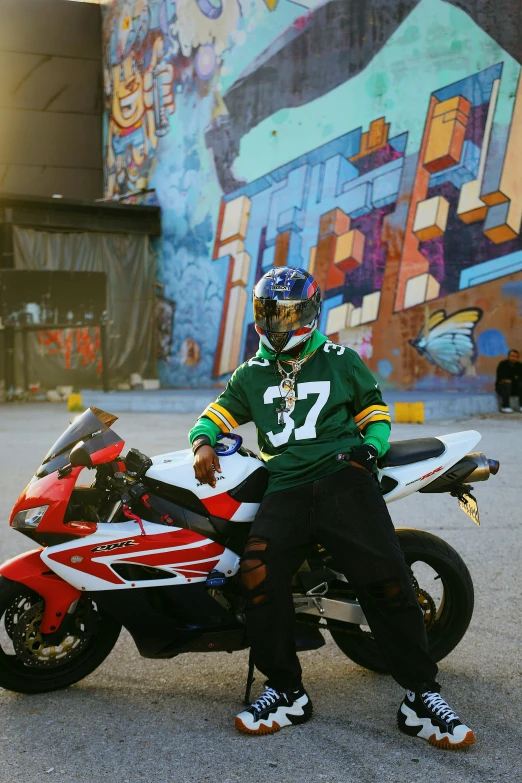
30 665
452 616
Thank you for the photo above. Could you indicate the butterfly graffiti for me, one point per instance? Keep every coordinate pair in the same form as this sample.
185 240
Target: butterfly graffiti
448 341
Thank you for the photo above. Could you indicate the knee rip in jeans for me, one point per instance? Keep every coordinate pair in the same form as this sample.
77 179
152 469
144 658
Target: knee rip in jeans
254 571
388 594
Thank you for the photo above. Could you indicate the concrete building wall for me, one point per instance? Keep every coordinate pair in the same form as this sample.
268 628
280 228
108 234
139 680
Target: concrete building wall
373 142
50 99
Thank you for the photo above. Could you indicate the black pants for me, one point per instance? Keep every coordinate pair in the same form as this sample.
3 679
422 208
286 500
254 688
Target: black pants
345 513
507 390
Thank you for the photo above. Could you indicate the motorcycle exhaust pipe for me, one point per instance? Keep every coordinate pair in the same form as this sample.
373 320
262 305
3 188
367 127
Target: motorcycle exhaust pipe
485 467
494 465
471 468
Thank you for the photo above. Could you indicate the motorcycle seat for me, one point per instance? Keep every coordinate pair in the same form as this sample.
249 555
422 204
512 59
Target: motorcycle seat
404 452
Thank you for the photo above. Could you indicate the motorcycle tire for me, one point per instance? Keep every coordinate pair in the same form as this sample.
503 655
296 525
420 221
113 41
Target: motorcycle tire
33 669
453 614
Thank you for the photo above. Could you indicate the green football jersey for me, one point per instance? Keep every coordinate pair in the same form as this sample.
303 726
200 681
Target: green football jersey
337 398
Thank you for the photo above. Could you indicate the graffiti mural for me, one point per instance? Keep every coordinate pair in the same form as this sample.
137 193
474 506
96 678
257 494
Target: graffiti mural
448 341
275 133
79 347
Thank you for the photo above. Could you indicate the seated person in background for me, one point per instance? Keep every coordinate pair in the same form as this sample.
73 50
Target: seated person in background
509 380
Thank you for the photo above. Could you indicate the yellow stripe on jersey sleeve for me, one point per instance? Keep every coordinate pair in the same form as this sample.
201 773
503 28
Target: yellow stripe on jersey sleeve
375 417
371 414
217 420
228 416
362 415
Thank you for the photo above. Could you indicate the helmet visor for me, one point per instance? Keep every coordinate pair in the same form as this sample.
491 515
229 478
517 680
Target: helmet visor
274 315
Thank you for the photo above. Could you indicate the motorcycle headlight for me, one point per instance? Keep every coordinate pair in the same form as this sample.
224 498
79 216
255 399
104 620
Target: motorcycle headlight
29 518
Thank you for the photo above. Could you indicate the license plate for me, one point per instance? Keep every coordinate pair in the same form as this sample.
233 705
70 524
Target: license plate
469 506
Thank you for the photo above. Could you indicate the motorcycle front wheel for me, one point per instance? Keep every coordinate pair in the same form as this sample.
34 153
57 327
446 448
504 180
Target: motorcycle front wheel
29 663
445 592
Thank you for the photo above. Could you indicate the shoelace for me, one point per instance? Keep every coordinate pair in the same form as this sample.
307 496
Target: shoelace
440 707
270 696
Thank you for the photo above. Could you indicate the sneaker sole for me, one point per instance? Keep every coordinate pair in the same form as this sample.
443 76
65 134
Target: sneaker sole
445 743
288 718
419 728
273 729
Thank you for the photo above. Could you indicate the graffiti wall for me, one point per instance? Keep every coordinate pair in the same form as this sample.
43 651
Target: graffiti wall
376 144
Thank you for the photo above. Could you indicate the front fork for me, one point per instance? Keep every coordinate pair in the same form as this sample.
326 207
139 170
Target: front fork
29 570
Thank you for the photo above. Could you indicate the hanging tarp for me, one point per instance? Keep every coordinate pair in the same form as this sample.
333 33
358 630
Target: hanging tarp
72 355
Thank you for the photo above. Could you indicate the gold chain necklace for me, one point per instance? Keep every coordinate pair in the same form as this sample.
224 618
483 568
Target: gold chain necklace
287 385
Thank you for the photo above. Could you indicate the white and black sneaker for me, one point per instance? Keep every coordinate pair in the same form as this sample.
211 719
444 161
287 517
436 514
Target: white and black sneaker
274 710
428 716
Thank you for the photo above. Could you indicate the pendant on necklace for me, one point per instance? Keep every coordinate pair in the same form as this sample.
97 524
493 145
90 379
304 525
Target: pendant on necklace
288 398
287 391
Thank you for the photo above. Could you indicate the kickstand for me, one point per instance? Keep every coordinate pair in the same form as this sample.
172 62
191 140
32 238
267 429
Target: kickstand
250 679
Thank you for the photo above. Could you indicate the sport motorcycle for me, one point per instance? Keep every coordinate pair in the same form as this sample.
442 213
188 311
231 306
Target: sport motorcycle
147 547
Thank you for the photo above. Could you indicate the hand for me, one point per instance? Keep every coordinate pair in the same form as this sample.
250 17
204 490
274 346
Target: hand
364 457
356 465
206 461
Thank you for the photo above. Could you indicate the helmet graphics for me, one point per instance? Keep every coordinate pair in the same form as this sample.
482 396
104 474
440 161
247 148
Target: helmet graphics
287 303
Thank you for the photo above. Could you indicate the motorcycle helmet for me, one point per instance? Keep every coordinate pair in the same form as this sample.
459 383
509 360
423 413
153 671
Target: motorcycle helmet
287 303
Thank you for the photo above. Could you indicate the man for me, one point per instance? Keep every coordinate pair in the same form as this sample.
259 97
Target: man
322 424
509 381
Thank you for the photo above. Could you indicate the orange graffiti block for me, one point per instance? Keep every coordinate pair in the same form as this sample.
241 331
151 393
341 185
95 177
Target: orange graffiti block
431 218
446 134
326 273
349 250
334 222
494 198
331 226
500 233
471 208
281 248
374 139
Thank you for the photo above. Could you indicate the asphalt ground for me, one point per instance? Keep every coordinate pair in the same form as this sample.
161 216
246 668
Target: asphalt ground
136 720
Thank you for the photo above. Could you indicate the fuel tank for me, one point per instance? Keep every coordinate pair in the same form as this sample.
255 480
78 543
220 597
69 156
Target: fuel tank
239 487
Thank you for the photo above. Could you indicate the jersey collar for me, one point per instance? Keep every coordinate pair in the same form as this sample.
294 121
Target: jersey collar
315 342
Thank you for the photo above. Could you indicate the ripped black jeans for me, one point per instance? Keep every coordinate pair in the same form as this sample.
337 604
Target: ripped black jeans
345 513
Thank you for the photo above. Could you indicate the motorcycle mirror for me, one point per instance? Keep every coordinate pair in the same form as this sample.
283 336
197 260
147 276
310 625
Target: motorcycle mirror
80 457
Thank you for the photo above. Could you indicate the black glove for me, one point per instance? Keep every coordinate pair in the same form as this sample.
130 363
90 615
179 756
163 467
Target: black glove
201 440
365 456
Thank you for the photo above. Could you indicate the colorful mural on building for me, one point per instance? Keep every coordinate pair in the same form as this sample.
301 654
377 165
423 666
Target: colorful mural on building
376 145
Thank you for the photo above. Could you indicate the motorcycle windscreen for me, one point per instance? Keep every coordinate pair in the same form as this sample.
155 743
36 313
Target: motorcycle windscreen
91 422
92 427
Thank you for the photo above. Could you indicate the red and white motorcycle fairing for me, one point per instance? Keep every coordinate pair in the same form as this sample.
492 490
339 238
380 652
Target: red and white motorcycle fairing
184 556
176 469
187 556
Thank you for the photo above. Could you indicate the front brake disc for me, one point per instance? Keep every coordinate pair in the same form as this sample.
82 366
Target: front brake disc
20 605
32 649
